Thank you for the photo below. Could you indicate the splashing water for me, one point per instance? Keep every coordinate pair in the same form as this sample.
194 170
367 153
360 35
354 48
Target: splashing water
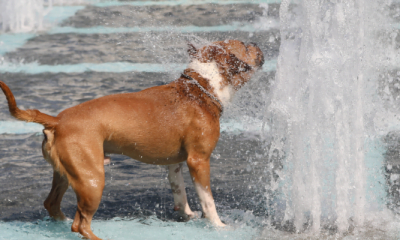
18 16
31 18
325 119
323 112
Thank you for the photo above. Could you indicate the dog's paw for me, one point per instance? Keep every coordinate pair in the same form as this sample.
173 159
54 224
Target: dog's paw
184 217
196 215
219 224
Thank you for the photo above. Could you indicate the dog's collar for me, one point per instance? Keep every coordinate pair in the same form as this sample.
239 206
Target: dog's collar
195 82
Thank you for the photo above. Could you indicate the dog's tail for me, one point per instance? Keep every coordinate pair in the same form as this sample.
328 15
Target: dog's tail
30 115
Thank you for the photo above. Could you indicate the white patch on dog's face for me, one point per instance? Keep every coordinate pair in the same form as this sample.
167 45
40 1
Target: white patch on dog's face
211 72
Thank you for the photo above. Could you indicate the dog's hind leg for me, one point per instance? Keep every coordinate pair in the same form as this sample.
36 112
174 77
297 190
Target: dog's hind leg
178 190
89 198
60 181
88 193
53 201
84 164
199 168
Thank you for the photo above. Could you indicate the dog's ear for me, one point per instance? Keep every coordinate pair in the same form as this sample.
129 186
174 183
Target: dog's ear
210 53
192 50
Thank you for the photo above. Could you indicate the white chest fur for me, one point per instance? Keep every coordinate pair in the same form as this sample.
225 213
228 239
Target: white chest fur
210 71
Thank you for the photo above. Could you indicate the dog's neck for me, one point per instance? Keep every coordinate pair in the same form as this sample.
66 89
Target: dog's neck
210 71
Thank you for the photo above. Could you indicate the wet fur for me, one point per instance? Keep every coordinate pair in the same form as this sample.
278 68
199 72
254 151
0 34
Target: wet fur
163 125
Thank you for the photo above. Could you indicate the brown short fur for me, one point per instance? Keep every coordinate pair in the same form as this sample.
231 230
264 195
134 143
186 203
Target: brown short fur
162 125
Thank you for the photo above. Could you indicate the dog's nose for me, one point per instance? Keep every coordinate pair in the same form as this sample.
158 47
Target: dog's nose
260 59
253 44
260 56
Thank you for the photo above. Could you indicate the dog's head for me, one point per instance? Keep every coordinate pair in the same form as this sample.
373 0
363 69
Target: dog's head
227 64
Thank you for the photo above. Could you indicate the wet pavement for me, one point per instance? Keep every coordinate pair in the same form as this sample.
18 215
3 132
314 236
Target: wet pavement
132 188
180 15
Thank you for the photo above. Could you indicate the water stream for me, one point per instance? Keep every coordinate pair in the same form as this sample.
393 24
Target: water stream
327 116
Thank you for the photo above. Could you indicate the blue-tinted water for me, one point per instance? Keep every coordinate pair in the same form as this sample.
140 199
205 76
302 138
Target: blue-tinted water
35 68
10 41
129 229
60 13
231 126
239 173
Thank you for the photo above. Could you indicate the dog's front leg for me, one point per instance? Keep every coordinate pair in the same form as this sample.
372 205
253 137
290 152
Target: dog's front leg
200 171
178 190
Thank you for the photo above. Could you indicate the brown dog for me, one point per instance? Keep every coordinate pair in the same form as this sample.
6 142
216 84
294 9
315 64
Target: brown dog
163 125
